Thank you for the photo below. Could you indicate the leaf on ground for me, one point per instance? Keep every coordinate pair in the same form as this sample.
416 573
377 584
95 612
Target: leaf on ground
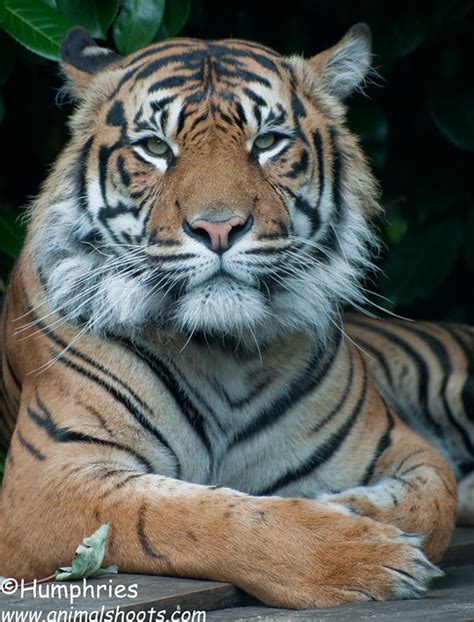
88 558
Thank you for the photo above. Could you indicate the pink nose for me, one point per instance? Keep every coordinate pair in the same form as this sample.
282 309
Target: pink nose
218 232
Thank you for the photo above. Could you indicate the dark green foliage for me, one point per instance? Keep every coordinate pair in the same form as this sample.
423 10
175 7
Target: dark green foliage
416 122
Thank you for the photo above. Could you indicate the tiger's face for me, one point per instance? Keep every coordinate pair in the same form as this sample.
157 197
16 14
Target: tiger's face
208 187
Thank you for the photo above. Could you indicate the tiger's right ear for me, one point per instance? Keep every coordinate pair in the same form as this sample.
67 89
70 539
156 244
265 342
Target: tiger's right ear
82 58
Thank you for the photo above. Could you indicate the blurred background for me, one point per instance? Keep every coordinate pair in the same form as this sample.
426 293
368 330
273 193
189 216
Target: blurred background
416 123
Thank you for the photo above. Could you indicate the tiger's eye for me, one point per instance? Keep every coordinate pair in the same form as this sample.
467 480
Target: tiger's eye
265 141
156 147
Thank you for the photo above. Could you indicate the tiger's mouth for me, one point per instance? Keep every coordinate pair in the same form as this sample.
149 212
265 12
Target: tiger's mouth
221 278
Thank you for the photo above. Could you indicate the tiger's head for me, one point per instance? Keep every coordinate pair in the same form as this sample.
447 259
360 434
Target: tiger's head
208 187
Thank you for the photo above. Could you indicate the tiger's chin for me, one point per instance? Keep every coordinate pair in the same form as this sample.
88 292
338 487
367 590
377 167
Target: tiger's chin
222 307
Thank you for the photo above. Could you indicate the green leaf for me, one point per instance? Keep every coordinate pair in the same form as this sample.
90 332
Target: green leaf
469 240
452 110
419 265
95 15
137 24
88 558
36 26
12 232
3 10
176 15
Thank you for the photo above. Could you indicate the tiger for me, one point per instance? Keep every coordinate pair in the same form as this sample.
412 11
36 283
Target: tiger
175 358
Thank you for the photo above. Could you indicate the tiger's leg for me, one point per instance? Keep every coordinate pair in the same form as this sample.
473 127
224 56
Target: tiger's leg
411 487
288 552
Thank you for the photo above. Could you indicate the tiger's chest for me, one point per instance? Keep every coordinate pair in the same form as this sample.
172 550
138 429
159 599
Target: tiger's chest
252 425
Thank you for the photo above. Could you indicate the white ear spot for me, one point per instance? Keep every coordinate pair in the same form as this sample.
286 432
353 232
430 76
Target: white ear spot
95 50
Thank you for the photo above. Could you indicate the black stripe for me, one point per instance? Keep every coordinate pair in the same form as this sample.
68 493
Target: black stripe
305 383
121 483
157 105
384 443
336 174
411 455
231 54
342 400
241 74
124 176
116 117
86 359
258 115
181 120
326 451
297 107
174 257
158 367
121 399
145 544
259 101
66 435
300 166
165 118
12 373
241 114
203 404
173 82
377 355
421 367
187 61
442 356
317 142
197 121
467 395
82 162
311 212
36 453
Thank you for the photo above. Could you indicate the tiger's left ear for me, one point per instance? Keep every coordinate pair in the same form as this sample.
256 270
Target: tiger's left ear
82 58
342 68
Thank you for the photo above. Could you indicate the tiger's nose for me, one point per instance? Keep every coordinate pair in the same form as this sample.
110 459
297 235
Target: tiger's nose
220 235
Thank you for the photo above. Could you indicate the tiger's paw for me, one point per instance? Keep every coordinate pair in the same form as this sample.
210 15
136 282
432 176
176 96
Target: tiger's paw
338 558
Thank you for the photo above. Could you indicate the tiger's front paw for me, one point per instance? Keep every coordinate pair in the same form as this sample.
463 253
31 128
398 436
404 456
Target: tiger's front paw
320 555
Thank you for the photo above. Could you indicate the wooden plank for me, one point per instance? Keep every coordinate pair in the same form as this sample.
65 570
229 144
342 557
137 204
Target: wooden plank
461 548
452 598
145 591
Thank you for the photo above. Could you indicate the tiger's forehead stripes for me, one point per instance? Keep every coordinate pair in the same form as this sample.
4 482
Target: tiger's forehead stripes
190 54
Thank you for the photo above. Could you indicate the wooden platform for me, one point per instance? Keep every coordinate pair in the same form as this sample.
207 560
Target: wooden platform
451 598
